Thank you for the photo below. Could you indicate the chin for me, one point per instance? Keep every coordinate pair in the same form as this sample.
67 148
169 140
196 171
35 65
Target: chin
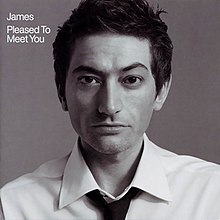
110 145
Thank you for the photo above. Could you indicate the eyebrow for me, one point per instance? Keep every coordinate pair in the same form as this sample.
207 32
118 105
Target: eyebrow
133 66
89 69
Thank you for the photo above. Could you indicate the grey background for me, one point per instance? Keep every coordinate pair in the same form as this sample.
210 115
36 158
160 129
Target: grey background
34 129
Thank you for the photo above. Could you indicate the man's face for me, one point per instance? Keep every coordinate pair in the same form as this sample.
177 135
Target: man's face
110 92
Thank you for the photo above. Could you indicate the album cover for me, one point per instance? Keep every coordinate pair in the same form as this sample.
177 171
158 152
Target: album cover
35 129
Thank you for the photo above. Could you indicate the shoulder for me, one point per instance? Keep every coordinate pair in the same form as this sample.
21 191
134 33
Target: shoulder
42 176
173 162
193 174
188 171
32 192
192 181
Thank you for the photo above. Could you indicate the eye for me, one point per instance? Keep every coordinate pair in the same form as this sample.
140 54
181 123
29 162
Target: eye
88 80
132 81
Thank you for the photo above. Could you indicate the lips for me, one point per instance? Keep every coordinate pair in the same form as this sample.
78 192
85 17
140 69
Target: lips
115 124
110 128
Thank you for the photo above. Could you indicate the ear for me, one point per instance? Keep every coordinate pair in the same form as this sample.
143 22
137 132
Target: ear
62 98
64 104
161 97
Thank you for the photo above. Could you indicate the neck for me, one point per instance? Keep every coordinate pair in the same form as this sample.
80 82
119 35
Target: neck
113 172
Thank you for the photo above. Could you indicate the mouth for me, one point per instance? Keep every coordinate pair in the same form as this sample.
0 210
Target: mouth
110 128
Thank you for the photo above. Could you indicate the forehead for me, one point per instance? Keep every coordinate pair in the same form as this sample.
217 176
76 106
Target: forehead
110 51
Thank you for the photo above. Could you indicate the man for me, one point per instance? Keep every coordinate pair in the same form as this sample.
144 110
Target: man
113 66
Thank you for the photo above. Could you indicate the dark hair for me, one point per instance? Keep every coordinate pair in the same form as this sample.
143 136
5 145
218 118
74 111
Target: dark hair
127 17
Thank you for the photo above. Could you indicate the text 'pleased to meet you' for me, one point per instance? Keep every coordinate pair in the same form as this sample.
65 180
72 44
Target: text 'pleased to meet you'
32 34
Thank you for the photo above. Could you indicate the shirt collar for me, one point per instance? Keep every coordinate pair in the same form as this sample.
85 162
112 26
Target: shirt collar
150 174
78 179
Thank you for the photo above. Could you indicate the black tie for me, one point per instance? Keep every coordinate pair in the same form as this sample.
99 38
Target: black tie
116 210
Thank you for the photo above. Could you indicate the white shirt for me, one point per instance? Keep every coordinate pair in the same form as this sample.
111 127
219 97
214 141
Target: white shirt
173 187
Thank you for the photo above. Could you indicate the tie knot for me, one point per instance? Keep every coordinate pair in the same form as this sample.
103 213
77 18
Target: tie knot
116 210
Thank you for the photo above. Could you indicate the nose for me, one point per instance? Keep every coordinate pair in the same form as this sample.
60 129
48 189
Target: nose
110 101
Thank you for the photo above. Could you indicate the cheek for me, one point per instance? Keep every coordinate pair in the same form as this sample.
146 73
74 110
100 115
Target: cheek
145 109
80 105
141 108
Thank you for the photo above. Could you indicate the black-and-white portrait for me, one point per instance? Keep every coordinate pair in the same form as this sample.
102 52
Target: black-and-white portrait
121 97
